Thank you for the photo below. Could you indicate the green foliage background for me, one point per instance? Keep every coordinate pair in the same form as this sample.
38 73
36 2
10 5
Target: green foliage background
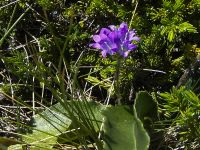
53 31
168 29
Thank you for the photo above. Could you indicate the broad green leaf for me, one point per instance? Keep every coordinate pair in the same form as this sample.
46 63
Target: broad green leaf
53 122
93 120
48 125
146 106
123 130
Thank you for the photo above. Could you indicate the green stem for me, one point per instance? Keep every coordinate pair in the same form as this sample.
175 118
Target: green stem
11 28
11 18
117 87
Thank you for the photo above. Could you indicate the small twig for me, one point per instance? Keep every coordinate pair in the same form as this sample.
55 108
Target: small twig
33 96
11 88
151 70
133 14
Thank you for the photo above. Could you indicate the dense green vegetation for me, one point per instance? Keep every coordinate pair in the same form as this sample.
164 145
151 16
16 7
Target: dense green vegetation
57 92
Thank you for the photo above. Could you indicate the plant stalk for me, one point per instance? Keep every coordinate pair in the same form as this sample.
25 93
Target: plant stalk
117 86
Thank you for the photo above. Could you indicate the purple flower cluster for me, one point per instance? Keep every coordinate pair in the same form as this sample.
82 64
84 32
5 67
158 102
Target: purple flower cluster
115 40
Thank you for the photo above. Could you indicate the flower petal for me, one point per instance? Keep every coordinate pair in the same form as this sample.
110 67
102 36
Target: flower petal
105 31
130 36
96 38
131 46
136 38
125 54
95 45
104 52
113 37
105 46
103 37
123 27
112 27
114 47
